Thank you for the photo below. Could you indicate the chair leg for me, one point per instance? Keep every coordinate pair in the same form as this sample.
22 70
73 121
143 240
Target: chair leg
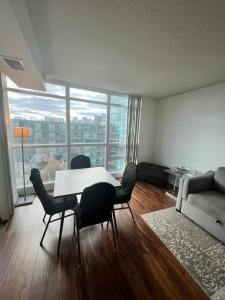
74 225
60 231
114 219
44 218
131 212
107 226
46 227
113 232
78 248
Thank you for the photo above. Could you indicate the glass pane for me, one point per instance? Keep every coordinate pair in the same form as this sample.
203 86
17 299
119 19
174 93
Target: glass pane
116 165
87 95
55 89
47 160
117 154
87 122
96 154
46 117
115 99
117 151
118 124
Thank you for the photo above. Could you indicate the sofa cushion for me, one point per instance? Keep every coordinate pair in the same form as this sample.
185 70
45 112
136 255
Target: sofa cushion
219 179
211 202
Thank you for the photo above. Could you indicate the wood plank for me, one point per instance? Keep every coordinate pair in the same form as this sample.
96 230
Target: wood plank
16 286
142 268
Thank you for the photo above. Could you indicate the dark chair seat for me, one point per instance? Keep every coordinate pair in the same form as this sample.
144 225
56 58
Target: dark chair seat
57 204
122 196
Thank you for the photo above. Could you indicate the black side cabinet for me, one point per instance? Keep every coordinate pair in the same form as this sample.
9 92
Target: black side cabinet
152 173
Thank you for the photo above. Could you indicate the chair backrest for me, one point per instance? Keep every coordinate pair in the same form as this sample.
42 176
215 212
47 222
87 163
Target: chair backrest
80 162
40 190
96 204
129 178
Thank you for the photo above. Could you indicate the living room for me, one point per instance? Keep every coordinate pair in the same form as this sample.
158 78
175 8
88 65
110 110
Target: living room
127 84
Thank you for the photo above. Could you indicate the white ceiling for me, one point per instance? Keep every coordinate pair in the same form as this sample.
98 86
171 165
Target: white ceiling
153 48
18 41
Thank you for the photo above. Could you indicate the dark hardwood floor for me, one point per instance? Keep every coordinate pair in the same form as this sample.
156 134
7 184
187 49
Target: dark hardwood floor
143 268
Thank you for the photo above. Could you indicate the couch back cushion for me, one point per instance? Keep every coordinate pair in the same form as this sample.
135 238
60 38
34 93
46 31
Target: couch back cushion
219 179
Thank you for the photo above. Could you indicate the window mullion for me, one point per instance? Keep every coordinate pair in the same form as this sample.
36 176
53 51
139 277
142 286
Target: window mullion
68 127
107 133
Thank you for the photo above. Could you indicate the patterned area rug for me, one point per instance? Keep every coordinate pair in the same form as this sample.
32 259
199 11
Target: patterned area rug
200 254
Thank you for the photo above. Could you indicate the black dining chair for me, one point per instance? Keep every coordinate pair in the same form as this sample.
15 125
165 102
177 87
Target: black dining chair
124 192
95 207
80 162
52 205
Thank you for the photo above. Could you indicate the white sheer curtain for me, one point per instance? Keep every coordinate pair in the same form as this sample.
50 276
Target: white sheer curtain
133 128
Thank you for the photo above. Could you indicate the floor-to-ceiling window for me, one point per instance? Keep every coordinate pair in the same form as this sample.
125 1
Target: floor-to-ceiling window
66 121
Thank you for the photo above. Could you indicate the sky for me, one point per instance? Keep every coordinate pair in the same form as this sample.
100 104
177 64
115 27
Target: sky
38 107
28 107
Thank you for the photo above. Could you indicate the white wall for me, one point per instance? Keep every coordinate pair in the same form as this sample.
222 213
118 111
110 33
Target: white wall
190 129
147 129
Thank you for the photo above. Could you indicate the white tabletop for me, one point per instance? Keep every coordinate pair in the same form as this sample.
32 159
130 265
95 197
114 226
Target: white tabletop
69 182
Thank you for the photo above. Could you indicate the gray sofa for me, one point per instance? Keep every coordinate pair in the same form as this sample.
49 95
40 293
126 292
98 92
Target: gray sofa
202 199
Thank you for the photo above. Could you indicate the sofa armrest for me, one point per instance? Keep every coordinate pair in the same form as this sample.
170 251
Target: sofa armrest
197 184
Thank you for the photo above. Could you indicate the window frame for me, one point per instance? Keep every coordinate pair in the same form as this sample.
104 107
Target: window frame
68 99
